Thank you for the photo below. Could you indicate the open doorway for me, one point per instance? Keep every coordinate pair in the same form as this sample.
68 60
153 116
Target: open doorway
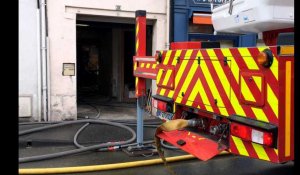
105 67
93 70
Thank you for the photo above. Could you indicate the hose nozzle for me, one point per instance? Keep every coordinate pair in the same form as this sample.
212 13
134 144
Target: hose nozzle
195 123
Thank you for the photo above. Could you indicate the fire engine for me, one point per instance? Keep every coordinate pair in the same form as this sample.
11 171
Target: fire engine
216 99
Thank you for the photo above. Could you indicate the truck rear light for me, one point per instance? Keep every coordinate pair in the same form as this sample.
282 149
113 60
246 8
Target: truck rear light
268 139
162 106
250 134
240 131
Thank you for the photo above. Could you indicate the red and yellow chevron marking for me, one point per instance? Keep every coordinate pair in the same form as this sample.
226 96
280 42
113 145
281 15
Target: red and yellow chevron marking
201 79
137 36
287 140
217 87
250 149
286 103
144 67
140 48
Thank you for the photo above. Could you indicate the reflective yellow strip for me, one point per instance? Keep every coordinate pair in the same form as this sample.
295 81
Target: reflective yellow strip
181 69
177 54
136 83
234 67
211 83
143 64
286 50
221 74
260 151
188 54
246 91
261 48
240 146
171 93
189 103
167 77
153 66
137 39
134 66
159 74
137 28
162 92
258 81
251 64
276 151
193 94
137 45
211 54
167 57
272 100
236 104
259 114
288 84
235 70
147 65
203 95
274 67
187 80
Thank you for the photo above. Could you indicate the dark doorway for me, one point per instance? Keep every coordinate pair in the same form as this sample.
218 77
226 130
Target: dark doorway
104 59
93 60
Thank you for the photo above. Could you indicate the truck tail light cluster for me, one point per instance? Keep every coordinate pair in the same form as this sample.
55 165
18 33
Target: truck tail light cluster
251 134
161 105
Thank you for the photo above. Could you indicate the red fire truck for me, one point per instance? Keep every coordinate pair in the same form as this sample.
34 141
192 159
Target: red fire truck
235 99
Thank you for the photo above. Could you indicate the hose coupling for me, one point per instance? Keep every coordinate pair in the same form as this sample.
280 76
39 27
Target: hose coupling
195 123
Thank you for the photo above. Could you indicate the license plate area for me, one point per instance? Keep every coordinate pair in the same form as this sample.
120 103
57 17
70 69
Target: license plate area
164 115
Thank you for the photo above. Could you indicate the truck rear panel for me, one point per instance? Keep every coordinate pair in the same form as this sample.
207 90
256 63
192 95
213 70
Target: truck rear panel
231 82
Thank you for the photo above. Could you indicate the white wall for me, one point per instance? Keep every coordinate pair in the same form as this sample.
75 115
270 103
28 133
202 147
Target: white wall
29 65
62 37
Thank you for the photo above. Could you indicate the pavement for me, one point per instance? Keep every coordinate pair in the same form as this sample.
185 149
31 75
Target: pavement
61 139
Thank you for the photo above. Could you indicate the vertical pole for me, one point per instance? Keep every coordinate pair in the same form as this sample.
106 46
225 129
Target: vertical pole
140 83
44 59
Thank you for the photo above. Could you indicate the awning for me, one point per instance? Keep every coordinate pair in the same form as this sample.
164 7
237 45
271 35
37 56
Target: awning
202 18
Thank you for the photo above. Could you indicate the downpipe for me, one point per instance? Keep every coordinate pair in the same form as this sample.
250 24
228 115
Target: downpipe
44 59
39 97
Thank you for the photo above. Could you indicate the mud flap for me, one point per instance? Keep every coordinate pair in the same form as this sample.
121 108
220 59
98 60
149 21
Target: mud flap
195 144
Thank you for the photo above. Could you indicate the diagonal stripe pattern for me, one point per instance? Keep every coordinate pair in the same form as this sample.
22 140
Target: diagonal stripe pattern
204 80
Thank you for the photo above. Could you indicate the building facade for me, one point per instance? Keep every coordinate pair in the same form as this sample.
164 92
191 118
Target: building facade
62 19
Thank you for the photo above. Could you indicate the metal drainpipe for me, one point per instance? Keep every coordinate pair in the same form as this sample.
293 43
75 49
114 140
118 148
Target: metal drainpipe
39 98
167 45
44 59
48 80
171 22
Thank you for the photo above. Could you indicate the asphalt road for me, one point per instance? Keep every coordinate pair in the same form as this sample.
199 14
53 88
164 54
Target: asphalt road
60 139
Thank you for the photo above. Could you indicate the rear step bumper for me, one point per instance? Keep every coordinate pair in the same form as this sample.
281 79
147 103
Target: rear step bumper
193 143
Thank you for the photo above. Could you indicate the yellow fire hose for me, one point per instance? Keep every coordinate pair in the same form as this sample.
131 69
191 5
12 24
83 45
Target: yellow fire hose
80 169
168 126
